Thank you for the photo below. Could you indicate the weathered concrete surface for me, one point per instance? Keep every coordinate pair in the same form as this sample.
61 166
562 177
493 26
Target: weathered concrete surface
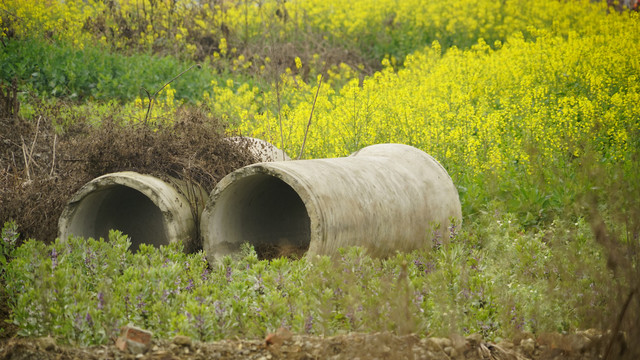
262 150
384 197
149 210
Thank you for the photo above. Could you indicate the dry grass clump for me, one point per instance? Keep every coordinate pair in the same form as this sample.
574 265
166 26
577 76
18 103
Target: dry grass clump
41 168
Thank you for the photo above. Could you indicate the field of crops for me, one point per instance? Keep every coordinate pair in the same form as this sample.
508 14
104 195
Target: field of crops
533 107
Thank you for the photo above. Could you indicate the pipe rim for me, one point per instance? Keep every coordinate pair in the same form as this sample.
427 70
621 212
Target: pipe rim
162 194
287 176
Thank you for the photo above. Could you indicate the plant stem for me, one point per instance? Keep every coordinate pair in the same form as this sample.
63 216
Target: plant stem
155 95
306 132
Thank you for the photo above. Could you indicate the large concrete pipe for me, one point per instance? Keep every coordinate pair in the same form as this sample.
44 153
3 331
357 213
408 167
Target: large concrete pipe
149 210
384 197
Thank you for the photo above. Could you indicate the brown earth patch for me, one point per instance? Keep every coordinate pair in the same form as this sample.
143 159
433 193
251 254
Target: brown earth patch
347 346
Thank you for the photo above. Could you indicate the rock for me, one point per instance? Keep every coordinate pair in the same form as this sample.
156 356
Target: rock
441 342
499 353
458 342
281 335
521 336
474 339
552 340
528 346
134 340
506 344
578 342
453 353
592 334
182 340
433 344
47 343
449 350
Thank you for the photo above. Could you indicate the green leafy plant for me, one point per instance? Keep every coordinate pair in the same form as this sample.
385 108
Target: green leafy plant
8 244
492 282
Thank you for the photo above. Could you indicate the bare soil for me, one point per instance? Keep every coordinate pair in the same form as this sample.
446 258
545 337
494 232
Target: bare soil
348 346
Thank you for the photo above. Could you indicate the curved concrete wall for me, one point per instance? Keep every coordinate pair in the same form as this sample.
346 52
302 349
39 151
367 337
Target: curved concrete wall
384 197
144 207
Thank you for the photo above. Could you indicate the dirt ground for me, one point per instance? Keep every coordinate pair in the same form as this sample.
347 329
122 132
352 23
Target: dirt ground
348 346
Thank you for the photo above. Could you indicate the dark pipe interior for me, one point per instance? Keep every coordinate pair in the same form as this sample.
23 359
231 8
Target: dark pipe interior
266 212
121 208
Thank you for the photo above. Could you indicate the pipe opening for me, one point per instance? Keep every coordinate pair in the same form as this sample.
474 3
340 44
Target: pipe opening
264 211
121 208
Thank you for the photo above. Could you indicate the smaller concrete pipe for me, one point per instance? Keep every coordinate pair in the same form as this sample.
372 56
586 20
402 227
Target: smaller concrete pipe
144 207
384 197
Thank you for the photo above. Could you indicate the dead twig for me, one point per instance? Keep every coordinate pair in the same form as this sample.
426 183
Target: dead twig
28 154
280 116
35 138
155 95
24 155
306 132
53 161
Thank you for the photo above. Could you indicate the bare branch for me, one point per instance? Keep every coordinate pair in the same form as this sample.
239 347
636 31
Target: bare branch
306 132
155 95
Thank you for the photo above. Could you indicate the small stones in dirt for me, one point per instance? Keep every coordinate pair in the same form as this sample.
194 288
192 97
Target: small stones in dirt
182 340
528 346
283 345
47 343
474 339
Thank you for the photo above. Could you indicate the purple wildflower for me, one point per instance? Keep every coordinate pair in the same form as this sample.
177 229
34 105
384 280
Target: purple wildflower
205 275
100 301
190 286
228 274
88 260
436 242
423 267
89 320
453 232
308 324
54 258
141 305
77 321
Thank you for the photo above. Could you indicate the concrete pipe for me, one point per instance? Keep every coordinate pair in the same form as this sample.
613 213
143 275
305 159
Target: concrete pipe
384 197
148 209
262 150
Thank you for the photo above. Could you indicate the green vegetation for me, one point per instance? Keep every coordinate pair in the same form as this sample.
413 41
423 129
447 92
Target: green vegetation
495 283
533 107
